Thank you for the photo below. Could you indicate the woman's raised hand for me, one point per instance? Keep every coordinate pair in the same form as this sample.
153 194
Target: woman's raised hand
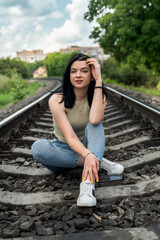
91 168
95 68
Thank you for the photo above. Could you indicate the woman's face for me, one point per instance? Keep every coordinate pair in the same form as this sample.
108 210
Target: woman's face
80 74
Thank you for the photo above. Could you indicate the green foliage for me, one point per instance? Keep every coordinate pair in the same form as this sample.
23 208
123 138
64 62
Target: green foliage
13 89
130 74
9 66
128 28
158 86
56 63
5 99
22 89
115 82
6 83
18 91
127 74
110 68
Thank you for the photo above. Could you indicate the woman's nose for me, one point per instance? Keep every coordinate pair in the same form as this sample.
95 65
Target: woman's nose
78 73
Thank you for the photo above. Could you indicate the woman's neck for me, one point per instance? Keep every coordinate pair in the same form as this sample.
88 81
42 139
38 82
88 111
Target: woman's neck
80 93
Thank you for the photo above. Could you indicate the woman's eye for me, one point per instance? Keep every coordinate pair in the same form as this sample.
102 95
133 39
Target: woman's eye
83 71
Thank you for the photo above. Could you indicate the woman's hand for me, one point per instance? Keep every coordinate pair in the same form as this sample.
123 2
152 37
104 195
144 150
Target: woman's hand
91 168
95 68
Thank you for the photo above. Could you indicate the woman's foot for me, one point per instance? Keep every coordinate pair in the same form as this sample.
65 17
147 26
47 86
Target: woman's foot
112 168
87 194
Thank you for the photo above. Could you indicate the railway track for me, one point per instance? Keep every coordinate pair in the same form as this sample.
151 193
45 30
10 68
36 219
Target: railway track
38 204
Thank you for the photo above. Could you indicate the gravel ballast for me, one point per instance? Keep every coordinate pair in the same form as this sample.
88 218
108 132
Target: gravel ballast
153 101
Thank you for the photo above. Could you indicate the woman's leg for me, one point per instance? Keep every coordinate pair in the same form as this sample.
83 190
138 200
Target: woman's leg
94 140
54 155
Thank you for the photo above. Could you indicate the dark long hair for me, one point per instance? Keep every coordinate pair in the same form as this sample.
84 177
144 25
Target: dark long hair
67 87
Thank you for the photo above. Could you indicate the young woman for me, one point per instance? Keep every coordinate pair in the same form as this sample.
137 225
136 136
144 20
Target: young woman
79 135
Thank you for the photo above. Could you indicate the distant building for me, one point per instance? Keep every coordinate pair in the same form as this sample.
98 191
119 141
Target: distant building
31 56
95 52
40 72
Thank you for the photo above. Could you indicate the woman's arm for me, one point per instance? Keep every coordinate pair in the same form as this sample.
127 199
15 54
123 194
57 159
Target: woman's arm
99 101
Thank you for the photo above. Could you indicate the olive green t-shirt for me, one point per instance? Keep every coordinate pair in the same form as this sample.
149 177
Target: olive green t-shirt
78 117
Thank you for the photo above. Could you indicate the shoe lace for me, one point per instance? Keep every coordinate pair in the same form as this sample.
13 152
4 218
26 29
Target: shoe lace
106 165
86 188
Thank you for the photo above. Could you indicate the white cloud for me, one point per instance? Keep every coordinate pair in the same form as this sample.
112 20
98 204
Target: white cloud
40 7
15 11
8 45
56 14
67 33
38 28
22 26
74 31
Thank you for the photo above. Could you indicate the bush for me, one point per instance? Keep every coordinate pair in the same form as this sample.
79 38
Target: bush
21 89
136 75
6 83
127 75
8 66
16 88
110 68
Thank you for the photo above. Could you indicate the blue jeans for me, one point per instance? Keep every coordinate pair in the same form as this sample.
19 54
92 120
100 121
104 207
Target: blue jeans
58 156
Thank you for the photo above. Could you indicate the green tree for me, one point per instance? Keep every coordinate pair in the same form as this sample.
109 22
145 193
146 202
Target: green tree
9 66
56 63
127 27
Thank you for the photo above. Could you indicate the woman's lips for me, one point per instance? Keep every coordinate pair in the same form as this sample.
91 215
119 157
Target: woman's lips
78 81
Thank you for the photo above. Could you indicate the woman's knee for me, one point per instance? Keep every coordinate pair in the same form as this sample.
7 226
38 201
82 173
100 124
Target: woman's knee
92 125
37 148
96 128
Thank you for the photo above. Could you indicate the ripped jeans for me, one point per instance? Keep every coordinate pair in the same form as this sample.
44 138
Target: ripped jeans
58 156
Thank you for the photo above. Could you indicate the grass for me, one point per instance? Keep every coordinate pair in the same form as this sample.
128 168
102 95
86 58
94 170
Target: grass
15 89
141 89
5 99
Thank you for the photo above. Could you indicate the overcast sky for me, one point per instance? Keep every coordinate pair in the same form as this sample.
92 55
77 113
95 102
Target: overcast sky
42 24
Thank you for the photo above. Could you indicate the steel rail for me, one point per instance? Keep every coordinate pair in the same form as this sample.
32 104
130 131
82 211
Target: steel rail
148 112
13 121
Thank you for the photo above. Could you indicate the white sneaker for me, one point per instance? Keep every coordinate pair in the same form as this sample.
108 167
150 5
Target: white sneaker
112 168
86 196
